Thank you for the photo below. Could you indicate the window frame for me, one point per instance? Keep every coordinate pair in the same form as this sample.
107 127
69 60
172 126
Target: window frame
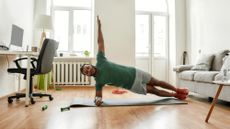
151 33
71 25
150 53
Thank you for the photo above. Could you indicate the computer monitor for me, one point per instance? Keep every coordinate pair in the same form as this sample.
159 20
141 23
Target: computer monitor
16 36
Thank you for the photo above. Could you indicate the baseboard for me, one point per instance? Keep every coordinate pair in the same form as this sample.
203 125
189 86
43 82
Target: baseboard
50 88
72 86
67 86
11 94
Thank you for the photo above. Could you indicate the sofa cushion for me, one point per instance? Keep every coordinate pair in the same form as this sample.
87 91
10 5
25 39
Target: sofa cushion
204 63
187 75
219 76
180 68
218 60
205 76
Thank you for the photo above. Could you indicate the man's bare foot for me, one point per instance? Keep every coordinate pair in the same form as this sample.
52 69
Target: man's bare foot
184 91
180 96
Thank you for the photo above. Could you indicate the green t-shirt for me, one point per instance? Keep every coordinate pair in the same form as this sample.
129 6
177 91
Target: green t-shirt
111 73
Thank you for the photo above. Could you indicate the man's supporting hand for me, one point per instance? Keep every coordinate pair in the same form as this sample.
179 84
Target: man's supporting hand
98 98
98 101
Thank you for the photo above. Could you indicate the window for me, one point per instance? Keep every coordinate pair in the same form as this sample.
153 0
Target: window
151 5
73 25
160 33
142 35
82 30
151 35
61 29
72 3
151 28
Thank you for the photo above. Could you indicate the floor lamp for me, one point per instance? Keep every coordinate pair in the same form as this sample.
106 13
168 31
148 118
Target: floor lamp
43 22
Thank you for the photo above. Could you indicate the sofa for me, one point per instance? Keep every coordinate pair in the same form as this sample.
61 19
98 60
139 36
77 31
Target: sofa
198 78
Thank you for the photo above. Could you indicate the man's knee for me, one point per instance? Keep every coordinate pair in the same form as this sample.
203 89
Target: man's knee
153 82
149 88
152 90
156 82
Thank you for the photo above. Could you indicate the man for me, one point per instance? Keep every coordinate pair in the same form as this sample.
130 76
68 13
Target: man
135 80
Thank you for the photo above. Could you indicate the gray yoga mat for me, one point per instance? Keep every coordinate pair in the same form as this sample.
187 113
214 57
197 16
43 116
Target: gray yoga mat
83 102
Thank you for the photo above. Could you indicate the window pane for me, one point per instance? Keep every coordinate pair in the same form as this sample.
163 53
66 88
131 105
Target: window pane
82 30
61 24
151 5
73 3
142 35
160 36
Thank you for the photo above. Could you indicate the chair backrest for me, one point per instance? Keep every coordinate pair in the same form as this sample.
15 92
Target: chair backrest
46 56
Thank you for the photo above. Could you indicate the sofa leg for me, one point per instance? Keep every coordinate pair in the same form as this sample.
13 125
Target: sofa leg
210 99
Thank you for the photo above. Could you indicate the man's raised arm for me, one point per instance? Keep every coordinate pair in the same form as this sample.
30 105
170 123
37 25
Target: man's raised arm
100 39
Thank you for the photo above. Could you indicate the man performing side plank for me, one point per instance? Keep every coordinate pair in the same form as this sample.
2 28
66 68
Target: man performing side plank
130 78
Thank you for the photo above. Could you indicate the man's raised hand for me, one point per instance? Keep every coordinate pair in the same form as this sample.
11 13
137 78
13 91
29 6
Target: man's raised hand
98 22
100 36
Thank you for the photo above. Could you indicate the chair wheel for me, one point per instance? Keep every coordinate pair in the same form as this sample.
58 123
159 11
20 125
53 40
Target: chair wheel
32 101
10 100
51 98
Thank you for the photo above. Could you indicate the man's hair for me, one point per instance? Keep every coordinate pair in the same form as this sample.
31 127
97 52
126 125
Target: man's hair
81 69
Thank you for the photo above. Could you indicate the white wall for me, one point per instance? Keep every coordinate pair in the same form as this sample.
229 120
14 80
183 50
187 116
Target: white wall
118 26
177 35
19 12
172 41
180 20
208 26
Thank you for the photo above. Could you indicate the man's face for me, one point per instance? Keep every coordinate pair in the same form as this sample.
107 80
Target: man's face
88 70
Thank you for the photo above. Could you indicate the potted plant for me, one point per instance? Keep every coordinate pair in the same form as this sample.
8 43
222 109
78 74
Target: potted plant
86 53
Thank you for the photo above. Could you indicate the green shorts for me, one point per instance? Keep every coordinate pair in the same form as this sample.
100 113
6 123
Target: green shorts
140 82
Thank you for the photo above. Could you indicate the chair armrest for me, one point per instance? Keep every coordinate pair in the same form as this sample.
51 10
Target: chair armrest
181 68
32 62
20 59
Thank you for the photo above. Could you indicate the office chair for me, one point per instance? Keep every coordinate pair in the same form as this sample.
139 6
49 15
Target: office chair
43 65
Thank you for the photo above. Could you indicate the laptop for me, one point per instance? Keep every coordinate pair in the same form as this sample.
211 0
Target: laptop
16 37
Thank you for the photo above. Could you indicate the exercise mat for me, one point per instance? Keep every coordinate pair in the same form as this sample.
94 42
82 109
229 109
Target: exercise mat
83 102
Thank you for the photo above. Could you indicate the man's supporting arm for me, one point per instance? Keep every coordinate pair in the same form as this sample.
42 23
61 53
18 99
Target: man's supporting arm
98 98
99 93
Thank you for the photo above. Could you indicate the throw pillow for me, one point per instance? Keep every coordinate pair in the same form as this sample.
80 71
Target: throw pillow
218 60
226 64
204 63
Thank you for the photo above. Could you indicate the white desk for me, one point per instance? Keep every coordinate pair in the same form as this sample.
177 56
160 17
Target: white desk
28 54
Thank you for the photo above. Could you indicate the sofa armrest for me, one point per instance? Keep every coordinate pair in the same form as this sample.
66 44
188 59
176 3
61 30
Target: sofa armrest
181 68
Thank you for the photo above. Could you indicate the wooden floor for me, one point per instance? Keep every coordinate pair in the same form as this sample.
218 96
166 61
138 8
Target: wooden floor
190 116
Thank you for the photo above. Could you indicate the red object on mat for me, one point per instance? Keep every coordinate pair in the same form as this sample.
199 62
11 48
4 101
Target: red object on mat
119 91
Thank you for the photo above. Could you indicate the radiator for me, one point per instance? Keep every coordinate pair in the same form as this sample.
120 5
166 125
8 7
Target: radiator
66 71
